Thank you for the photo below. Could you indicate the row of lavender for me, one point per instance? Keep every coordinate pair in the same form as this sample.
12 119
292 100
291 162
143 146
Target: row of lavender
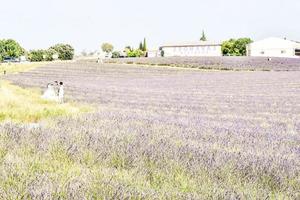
221 63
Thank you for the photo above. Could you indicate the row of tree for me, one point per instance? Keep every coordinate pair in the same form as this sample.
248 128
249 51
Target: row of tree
143 46
58 51
11 48
129 51
231 47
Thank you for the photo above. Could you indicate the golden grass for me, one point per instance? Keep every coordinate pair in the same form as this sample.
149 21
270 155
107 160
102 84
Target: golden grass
12 68
25 105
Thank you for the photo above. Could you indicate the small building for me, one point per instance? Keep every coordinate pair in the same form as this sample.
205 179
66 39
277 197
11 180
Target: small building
153 54
22 59
274 47
199 48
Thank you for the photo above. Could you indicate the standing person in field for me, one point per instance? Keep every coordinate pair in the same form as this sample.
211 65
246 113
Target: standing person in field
56 87
50 94
61 93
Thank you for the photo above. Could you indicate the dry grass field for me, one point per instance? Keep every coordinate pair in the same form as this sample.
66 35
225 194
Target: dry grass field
158 133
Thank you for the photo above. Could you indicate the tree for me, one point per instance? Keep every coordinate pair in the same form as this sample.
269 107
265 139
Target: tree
128 48
141 47
144 45
227 47
203 37
235 47
36 55
116 54
241 45
107 48
65 51
48 54
10 48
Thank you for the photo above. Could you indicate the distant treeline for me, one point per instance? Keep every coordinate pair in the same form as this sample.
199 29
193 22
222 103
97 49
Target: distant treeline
9 48
128 51
231 47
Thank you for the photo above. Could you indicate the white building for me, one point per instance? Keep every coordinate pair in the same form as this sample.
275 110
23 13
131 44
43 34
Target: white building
274 47
153 54
199 48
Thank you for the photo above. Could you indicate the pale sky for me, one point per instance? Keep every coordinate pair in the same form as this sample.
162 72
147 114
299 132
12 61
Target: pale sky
86 24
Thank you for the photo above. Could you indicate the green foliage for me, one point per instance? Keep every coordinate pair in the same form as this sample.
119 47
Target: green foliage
203 37
10 48
41 55
65 51
235 47
135 53
36 55
241 44
107 47
140 52
49 54
227 47
116 54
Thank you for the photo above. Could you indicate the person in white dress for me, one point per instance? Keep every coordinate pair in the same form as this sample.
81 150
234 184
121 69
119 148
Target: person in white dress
61 93
50 94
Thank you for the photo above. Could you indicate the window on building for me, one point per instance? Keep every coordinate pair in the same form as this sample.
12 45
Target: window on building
283 51
297 52
262 52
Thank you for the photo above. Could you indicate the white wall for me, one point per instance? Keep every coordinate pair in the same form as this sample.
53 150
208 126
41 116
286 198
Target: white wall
153 54
213 50
280 52
273 47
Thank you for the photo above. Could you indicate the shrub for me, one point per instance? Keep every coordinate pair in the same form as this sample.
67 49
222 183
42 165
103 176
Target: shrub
116 54
135 53
36 55
49 54
235 47
65 51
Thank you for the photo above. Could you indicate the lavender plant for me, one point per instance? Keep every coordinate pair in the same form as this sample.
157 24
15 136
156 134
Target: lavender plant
158 133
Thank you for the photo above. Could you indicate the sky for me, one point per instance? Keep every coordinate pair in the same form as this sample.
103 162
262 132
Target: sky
86 24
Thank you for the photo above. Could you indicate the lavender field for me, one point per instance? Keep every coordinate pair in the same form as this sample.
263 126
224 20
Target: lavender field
158 133
235 63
